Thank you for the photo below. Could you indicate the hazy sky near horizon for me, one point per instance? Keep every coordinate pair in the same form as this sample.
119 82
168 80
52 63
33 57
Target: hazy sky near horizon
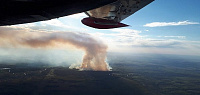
162 27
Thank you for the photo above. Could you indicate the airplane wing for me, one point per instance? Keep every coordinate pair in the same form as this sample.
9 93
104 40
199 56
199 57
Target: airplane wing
109 16
25 11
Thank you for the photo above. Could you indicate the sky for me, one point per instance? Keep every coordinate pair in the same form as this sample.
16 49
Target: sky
162 27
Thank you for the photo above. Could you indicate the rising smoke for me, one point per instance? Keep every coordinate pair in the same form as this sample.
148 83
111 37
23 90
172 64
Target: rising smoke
95 50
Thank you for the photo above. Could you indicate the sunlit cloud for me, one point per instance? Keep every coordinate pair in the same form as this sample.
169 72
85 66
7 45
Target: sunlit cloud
133 38
53 22
126 33
124 36
157 43
125 30
160 24
58 24
130 40
77 16
180 37
49 25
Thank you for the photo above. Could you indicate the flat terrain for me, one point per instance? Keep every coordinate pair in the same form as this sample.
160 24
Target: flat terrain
134 75
160 74
15 80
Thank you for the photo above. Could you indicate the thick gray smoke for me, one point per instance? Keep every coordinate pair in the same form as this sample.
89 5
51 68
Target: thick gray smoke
95 50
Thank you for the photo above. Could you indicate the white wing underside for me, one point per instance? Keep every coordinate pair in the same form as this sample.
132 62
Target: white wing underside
118 10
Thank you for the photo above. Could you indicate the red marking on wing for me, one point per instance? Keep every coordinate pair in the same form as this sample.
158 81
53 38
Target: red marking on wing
102 23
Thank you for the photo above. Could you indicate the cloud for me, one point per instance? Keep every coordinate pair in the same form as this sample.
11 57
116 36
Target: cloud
59 24
157 43
53 22
160 24
180 37
77 16
130 40
50 26
124 36
126 30
133 38
125 33
162 46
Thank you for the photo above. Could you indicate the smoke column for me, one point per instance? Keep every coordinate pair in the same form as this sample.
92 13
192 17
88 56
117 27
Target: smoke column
95 50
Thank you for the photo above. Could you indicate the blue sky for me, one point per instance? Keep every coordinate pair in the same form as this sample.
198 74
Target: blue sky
169 11
162 27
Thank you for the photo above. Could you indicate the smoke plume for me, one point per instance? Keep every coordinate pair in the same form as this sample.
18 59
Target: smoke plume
95 50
